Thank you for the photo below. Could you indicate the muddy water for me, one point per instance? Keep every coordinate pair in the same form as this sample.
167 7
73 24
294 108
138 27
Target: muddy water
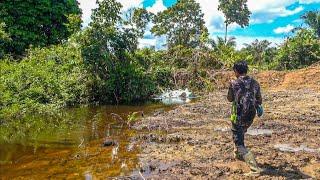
77 152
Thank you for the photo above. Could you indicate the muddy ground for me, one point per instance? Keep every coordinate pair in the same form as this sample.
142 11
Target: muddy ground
191 141
195 140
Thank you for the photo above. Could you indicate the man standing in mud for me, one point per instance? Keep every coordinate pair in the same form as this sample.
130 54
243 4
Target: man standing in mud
244 93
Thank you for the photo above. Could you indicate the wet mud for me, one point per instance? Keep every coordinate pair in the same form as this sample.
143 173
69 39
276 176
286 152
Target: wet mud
285 140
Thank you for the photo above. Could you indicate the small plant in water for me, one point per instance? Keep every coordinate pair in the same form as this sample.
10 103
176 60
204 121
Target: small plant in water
133 117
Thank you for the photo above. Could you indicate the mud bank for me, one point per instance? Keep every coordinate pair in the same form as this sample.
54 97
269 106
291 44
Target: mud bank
203 146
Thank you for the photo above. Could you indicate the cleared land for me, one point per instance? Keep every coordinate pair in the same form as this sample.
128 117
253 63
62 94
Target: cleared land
197 142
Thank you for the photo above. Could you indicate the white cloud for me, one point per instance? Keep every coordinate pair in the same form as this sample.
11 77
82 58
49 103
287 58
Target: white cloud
283 30
157 7
87 6
157 42
128 4
268 16
264 11
147 43
214 19
308 1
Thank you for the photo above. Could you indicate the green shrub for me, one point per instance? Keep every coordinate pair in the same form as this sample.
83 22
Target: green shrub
162 76
298 51
47 79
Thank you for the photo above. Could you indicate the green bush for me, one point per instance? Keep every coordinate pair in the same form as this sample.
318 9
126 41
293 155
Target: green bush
47 79
126 83
298 51
162 76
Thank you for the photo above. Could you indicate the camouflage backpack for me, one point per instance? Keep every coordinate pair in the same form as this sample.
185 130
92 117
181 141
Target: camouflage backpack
245 97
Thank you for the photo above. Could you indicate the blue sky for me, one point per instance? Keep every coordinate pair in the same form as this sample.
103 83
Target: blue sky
271 19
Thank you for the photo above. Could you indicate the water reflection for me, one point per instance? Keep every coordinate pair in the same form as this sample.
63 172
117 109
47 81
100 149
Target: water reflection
74 149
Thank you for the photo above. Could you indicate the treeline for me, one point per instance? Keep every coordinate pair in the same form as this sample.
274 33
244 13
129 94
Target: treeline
49 62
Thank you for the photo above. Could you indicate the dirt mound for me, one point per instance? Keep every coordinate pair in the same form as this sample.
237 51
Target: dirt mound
301 79
270 79
308 78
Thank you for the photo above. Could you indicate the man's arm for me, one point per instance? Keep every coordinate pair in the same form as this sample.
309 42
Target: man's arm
230 94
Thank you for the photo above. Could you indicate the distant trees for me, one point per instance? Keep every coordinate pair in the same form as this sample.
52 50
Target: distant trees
299 51
38 23
235 11
260 52
312 19
183 24
303 48
220 42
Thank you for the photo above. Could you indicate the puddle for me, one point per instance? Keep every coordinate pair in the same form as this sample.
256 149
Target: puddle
251 131
77 152
289 148
222 129
256 132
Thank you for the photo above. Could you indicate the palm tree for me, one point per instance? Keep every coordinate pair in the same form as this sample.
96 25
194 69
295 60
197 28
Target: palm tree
220 42
312 19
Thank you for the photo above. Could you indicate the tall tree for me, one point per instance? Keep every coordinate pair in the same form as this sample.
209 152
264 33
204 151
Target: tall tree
37 22
108 47
220 42
183 24
235 11
260 51
312 19
138 19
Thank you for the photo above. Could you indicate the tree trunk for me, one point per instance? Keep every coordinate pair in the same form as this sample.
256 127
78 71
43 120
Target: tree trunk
226 34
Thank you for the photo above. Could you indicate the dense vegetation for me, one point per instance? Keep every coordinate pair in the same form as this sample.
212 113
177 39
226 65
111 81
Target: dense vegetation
38 23
101 64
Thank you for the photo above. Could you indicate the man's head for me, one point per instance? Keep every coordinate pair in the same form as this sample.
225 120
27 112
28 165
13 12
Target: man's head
240 68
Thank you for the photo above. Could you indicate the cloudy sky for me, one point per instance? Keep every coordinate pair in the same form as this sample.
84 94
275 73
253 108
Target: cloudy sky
271 19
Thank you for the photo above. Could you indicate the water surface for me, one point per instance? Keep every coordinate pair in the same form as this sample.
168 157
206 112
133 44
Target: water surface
74 150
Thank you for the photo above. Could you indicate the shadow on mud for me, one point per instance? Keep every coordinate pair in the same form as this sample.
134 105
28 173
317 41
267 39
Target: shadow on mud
287 170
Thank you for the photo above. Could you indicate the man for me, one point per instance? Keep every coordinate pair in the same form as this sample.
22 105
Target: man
245 94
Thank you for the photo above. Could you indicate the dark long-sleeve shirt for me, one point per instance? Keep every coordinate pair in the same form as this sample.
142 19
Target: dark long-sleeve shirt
235 89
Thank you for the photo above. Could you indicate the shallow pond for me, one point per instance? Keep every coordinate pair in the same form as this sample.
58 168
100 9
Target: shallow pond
77 152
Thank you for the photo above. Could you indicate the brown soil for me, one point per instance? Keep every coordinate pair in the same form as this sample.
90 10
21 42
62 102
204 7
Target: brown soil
195 142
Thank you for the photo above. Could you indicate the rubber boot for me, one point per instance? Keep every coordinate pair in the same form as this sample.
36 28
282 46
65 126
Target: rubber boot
237 155
239 152
251 161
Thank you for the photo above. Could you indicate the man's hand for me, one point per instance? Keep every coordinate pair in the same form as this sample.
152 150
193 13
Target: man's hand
260 111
